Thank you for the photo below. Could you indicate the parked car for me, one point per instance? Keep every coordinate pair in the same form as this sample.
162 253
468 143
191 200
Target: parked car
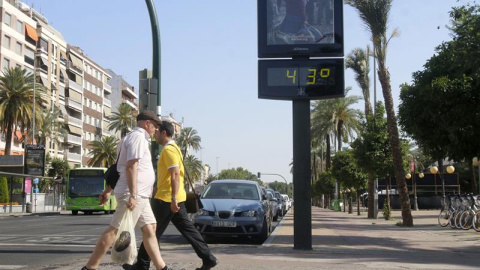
282 204
274 200
288 201
234 208
270 201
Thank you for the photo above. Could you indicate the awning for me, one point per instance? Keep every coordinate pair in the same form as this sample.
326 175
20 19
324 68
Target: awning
64 55
31 32
43 61
77 62
63 111
75 130
75 96
107 111
44 81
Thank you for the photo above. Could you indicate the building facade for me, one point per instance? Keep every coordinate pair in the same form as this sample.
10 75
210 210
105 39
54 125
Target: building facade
77 87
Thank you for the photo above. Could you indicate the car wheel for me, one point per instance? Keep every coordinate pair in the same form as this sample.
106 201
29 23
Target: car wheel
74 212
264 234
275 218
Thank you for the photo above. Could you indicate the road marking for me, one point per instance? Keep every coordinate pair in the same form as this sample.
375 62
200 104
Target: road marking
45 245
12 266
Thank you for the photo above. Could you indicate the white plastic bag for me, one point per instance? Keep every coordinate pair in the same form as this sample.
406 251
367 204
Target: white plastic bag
124 249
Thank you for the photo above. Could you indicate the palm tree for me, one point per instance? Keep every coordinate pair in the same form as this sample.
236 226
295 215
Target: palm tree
123 120
193 167
104 152
50 127
189 139
358 61
375 13
16 101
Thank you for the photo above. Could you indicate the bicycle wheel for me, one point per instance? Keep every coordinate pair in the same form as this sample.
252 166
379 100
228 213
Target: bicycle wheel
476 221
457 219
451 219
466 220
443 218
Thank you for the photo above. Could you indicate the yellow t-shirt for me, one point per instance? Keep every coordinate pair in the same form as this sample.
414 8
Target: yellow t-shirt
171 156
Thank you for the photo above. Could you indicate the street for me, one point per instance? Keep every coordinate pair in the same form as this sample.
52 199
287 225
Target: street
52 239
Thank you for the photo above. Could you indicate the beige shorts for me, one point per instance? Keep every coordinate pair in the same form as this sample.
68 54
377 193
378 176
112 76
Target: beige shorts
142 213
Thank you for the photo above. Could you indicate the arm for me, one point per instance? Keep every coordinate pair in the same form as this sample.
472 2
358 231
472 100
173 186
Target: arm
132 174
175 176
105 195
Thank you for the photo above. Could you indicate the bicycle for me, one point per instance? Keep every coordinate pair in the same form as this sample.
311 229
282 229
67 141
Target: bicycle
476 217
466 218
447 211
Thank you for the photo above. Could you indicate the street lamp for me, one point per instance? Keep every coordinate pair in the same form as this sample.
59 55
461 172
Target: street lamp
434 170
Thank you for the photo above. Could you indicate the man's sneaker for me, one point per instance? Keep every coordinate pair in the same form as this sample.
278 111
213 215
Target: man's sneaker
207 265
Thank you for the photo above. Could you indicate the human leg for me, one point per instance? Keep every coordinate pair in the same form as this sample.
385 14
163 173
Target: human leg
163 214
183 224
103 244
151 245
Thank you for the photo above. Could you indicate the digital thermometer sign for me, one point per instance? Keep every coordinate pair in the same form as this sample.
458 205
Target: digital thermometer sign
301 79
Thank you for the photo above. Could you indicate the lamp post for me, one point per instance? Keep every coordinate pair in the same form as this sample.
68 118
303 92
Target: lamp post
260 173
156 52
434 170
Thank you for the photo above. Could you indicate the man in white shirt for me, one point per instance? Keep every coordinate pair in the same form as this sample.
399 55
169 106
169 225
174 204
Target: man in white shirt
133 191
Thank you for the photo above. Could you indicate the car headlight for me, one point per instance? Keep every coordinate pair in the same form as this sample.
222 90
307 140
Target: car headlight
251 213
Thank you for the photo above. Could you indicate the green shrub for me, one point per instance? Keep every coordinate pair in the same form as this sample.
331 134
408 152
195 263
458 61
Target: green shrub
4 195
387 211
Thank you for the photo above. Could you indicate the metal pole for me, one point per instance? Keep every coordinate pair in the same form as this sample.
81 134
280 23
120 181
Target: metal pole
302 237
156 52
34 84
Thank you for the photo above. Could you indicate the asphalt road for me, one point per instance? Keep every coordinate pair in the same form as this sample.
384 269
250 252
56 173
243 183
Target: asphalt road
38 240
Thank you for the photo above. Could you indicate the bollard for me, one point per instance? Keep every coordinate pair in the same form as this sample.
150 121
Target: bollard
29 207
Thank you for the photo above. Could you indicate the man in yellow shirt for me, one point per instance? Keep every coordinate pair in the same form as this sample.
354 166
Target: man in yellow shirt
169 202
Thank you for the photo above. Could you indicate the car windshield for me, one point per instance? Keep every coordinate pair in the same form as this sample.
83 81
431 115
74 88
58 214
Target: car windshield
231 191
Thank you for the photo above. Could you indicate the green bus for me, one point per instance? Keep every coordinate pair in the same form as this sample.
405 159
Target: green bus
84 185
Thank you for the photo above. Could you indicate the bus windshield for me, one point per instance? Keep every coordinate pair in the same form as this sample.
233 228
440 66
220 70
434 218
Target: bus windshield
86 183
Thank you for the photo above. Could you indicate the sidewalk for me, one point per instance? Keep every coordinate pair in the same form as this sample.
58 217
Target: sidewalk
340 241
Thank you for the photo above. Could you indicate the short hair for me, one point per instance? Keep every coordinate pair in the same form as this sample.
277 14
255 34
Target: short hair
168 127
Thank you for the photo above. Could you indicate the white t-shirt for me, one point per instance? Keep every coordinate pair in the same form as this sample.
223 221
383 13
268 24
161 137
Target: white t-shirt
135 145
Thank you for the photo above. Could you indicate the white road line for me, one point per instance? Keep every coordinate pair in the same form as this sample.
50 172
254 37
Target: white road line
45 245
12 266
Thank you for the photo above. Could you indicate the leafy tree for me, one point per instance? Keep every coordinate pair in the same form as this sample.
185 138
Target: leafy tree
375 14
439 109
324 185
104 152
238 173
4 195
58 168
16 102
188 139
123 120
373 153
347 172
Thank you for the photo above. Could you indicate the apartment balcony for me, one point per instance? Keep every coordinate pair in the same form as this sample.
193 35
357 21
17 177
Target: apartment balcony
74 86
133 105
129 92
74 157
72 67
74 139
107 102
73 104
74 121
107 88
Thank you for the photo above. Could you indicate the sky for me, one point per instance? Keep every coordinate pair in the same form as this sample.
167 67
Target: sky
209 65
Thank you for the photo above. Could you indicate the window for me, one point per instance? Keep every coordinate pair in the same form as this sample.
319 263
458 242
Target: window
8 19
85 101
5 63
6 42
19 27
18 48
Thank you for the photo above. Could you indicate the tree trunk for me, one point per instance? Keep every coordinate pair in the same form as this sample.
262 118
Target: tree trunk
474 182
358 204
328 157
371 191
339 132
8 137
384 78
